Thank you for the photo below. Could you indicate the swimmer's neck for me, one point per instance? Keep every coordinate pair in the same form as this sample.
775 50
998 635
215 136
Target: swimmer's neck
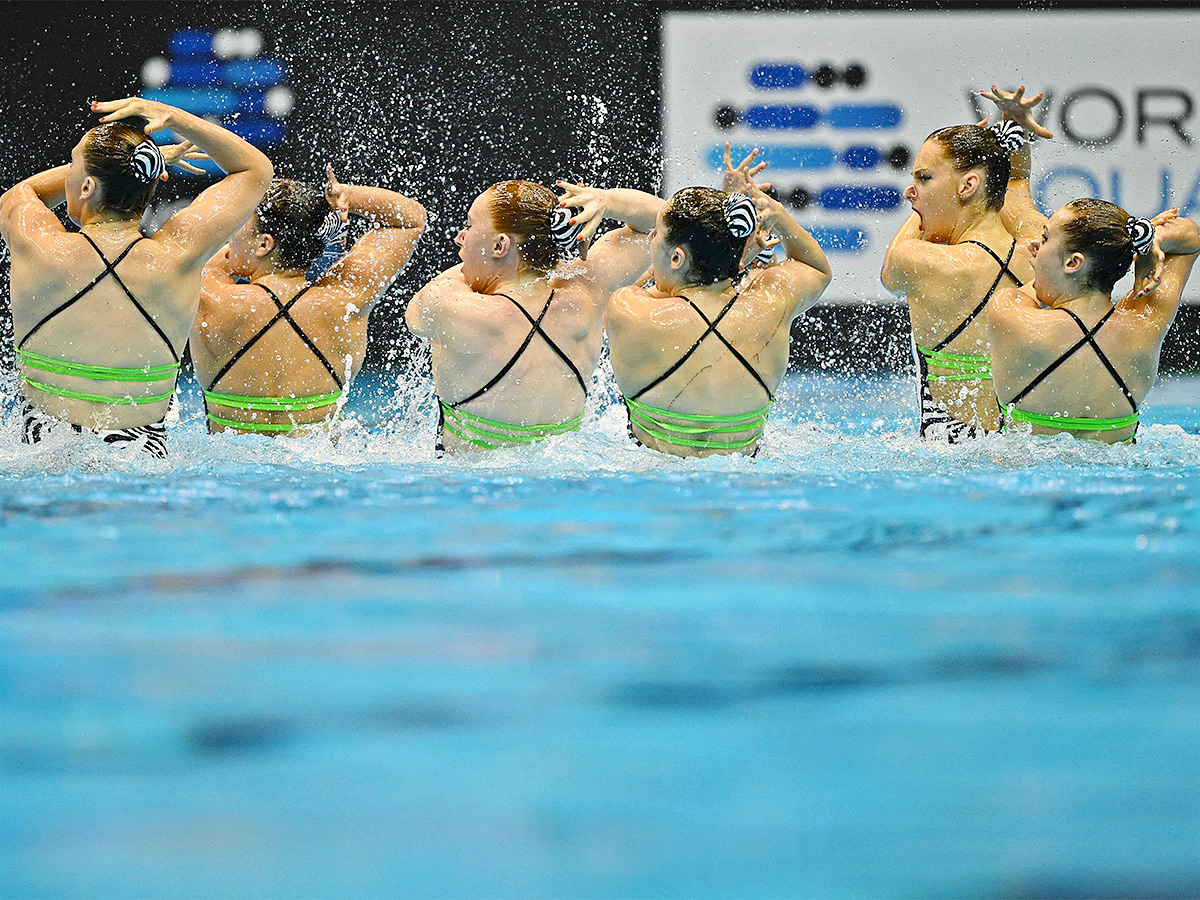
510 282
1094 302
109 222
976 223
697 291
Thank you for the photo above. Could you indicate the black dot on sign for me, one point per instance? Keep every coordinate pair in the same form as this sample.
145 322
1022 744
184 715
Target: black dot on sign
726 117
855 75
799 198
825 76
899 157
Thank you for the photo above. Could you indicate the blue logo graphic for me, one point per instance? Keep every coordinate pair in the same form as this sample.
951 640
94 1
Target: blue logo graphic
855 157
222 74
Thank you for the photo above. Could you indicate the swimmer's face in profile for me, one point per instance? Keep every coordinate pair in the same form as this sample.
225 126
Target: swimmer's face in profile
476 240
667 261
1053 267
76 177
933 192
243 246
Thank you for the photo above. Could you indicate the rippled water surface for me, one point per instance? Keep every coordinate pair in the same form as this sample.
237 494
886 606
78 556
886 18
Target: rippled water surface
857 666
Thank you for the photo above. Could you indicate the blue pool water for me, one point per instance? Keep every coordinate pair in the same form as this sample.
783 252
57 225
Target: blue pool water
856 667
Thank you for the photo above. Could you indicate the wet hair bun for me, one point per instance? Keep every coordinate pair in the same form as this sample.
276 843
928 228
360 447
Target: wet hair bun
333 229
1141 234
740 215
1010 135
147 162
563 231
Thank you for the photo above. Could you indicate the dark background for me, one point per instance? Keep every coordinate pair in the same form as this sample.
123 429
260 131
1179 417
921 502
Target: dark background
437 100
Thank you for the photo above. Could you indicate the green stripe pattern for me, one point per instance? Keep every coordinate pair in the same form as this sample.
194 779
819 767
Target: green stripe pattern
1068 423
268 404
680 429
121 374
957 366
492 434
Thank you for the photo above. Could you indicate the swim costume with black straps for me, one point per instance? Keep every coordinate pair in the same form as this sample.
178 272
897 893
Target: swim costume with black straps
491 434
937 422
680 429
133 375
1071 423
273 404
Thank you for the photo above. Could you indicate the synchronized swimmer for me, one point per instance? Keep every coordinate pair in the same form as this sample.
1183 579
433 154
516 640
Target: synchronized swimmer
1013 319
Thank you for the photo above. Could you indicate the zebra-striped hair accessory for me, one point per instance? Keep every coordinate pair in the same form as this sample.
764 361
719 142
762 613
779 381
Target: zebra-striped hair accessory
147 162
564 233
1141 234
740 215
333 229
1010 135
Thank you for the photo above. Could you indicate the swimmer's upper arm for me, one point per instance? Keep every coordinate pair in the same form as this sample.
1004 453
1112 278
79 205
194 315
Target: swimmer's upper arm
618 258
803 284
424 311
210 220
373 263
909 262
1008 308
25 221
1020 215
1163 302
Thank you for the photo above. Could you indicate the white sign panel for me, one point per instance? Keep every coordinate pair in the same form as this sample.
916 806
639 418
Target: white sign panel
840 102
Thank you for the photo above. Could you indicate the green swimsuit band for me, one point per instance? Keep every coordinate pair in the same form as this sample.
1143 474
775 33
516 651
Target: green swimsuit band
657 423
268 404
1068 423
492 434
131 375
962 366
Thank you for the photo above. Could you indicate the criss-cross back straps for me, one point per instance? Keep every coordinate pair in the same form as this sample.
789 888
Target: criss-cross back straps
283 311
710 329
535 329
1089 337
110 268
1004 270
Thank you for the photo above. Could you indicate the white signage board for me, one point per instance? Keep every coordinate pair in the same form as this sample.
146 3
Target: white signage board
840 102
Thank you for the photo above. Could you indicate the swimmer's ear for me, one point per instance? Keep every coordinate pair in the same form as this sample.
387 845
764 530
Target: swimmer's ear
1073 265
265 245
88 187
679 259
503 244
968 186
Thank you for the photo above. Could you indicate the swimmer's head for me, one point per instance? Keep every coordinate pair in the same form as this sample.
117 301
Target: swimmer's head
694 241
509 231
523 209
974 150
1087 242
104 171
286 230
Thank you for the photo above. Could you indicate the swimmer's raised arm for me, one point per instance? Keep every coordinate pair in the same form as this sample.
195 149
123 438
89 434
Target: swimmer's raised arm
1020 215
806 271
25 209
908 258
637 209
220 210
1157 292
378 256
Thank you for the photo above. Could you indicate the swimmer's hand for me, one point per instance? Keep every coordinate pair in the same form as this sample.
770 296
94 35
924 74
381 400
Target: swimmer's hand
177 155
592 209
1016 107
741 179
157 115
1148 269
335 194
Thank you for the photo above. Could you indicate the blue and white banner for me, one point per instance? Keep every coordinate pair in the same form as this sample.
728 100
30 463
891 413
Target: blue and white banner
840 102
